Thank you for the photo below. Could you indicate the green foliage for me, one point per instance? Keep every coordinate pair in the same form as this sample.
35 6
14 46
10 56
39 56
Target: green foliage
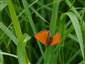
20 20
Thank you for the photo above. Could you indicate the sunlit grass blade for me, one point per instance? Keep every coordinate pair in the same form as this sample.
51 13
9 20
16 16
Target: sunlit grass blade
8 54
1 58
22 56
15 20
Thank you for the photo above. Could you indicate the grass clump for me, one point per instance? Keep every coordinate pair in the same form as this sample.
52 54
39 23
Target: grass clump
20 20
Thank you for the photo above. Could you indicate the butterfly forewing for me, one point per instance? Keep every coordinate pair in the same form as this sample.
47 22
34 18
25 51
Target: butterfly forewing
55 39
42 37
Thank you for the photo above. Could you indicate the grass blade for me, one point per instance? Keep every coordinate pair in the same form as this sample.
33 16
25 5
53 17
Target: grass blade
77 29
22 56
8 54
1 58
54 17
8 33
14 20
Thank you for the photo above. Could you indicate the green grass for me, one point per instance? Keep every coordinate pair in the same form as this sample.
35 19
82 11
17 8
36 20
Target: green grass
20 20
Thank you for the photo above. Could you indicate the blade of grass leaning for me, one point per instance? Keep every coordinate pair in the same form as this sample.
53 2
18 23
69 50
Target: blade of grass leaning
8 54
76 13
79 17
8 33
28 13
73 37
39 15
22 56
77 29
73 8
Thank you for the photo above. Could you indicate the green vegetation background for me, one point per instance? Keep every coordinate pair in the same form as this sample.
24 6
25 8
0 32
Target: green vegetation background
20 20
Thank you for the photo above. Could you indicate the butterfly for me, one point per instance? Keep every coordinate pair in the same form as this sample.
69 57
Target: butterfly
45 38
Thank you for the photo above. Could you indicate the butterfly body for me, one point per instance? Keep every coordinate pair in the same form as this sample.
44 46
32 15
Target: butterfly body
45 38
49 39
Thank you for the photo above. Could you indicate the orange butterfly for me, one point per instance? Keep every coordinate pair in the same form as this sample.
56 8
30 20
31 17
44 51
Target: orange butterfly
45 39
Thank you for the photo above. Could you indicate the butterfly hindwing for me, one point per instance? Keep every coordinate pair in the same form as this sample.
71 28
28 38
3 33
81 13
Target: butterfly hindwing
55 39
42 37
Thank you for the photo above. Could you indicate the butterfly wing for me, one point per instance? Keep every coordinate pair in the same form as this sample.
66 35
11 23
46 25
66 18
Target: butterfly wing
42 37
55 39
